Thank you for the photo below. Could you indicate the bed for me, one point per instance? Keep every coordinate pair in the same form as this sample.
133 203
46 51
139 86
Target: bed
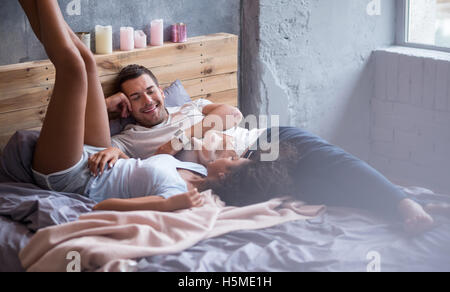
340 239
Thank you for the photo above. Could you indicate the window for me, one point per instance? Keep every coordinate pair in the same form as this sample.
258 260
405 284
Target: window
426 23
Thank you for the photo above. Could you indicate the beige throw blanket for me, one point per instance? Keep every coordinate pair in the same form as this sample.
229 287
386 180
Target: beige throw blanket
105 240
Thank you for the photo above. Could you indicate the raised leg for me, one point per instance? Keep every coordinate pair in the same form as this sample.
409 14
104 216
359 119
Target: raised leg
30 8
96 132
60 144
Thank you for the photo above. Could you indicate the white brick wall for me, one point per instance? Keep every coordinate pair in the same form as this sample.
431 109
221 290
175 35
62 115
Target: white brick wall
410 118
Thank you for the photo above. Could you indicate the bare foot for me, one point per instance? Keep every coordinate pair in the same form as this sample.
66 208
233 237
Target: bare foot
440 209
416 219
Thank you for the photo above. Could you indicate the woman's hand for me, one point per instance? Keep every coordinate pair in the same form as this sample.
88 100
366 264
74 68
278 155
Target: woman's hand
191 199
119 103
98 161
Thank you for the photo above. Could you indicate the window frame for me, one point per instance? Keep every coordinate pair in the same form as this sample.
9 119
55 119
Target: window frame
402 29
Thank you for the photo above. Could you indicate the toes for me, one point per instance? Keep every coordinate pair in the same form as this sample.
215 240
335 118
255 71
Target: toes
418 224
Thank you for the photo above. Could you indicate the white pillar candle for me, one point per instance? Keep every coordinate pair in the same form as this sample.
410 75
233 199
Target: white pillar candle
140 39
126 38
85 38
103 39
157 32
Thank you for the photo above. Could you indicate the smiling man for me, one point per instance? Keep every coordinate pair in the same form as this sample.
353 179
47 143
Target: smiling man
145 96
157 128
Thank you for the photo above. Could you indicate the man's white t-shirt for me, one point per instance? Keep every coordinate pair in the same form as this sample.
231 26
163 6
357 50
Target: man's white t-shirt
141 142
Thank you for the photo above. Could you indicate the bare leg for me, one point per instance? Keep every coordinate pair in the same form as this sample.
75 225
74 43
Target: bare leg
60 144
30 8
96 131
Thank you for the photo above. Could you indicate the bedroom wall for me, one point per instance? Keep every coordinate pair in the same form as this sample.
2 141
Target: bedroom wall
310 62
20 45
410 134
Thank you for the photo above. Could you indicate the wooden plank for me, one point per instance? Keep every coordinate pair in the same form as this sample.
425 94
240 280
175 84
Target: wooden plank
168 54
42 73
25 119
229 97
25 99
39 96
211 84
28 75
196 69
182 71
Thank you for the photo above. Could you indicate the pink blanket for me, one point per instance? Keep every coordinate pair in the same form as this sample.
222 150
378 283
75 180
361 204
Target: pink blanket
106 240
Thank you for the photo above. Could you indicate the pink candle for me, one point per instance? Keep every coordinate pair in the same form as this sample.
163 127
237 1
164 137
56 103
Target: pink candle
126 38
157 32
179 33
140 39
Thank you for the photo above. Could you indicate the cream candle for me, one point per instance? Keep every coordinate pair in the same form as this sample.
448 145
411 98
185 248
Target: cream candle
126 38
157 32
103 39
140 39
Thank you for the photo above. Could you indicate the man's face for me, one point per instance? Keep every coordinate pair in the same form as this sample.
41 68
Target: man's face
147 100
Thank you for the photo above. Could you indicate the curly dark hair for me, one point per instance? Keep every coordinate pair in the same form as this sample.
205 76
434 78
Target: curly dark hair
258 181
132 72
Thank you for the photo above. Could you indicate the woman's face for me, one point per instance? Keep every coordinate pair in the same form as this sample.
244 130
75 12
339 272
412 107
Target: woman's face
217 169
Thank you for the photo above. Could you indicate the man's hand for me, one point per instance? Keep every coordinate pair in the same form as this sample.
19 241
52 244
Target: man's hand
119 103
98 161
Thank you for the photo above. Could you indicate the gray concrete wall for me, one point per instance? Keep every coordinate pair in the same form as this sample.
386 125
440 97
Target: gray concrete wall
310 62
202 17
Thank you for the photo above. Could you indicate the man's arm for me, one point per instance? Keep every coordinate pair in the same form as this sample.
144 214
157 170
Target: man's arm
218 117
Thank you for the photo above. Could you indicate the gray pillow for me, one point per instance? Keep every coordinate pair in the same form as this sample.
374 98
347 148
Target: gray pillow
15 162
176 96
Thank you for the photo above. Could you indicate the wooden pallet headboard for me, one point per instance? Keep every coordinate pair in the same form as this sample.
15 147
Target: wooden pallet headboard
206 65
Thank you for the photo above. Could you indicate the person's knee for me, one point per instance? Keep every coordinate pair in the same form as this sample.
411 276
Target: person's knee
69 60
89 62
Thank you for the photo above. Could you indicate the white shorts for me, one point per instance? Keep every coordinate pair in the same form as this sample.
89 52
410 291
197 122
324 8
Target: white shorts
129 178
75 180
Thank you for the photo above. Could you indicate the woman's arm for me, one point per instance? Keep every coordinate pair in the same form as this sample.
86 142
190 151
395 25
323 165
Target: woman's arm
153 203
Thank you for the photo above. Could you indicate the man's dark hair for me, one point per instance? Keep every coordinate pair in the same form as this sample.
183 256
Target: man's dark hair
132 72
